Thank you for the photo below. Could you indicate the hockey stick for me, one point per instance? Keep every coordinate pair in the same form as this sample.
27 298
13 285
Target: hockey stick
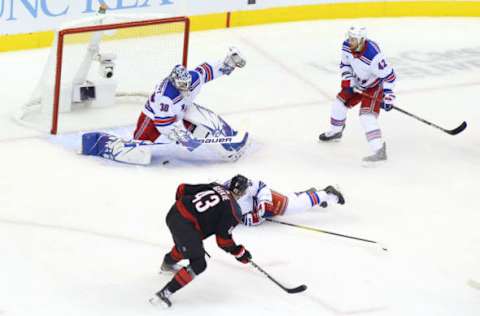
318 230
294 290
454 131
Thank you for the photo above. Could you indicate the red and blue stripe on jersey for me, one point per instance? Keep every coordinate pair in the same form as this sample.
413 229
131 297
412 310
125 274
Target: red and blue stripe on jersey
346 47
195 80
168 90
162 121
391 77
165 89
207 72
367 54
314 199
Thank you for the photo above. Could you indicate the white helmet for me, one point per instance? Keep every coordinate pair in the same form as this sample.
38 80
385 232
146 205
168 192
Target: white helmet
180 78
356 37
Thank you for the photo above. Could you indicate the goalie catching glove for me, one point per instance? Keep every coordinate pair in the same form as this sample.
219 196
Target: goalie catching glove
233 60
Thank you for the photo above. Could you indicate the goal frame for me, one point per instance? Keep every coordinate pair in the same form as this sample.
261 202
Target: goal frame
106 27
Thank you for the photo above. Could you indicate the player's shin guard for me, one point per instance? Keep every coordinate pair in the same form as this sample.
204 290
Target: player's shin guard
374 137
170 261
337 122
181 278
338 116
372 131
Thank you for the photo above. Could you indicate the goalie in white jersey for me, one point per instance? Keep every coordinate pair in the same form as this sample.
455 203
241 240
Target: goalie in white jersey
368 79
260 202
171 125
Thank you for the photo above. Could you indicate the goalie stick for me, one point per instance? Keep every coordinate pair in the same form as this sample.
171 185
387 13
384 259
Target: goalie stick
294 290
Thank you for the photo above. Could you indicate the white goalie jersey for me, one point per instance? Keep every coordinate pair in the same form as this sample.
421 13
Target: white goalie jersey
167 106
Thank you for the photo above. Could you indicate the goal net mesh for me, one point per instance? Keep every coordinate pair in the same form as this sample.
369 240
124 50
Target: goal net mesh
139 52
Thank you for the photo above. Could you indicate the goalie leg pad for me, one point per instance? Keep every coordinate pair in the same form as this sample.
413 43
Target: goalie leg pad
90 143
207 122
114 148
236 146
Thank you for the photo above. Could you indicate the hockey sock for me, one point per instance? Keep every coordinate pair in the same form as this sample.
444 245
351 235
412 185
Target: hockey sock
173 256
338 116
181 278
372 131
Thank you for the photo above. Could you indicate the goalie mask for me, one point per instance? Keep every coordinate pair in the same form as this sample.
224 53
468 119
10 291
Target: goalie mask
356 37
238 185
180 78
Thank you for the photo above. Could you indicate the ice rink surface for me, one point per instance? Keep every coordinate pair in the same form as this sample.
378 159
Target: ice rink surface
84 236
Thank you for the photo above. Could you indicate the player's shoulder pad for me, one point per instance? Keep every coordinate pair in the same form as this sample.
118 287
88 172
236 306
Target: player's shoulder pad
372 50
346 46
171 92
195 79
163 99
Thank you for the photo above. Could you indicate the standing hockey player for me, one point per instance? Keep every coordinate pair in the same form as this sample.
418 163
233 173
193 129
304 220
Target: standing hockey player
368 79
260 202
172 125
200 211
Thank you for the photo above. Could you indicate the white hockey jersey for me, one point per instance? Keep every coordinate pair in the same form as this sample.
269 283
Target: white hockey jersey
256 193
167 105
367 68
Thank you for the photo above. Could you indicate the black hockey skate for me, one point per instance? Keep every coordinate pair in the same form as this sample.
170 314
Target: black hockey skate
331 190
327 136
162 298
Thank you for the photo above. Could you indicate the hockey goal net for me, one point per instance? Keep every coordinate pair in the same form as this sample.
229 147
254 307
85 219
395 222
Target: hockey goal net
100 71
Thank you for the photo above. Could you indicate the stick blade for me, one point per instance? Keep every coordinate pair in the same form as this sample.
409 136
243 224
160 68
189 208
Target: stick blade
297 289
459 129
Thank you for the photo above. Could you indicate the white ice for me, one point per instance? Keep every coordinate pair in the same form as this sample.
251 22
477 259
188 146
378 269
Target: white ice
83 236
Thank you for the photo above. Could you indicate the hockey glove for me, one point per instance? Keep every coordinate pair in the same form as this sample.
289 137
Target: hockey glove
252 219
242 254
388 100
233 59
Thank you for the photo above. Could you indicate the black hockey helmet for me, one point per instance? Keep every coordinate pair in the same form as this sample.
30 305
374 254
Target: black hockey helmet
238 184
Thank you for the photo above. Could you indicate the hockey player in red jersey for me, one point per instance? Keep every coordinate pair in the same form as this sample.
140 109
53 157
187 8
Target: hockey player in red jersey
368 79
200 211
260 202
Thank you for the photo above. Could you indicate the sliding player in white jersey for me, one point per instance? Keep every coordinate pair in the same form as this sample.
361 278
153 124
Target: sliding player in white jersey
171 125
367 79
260 202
